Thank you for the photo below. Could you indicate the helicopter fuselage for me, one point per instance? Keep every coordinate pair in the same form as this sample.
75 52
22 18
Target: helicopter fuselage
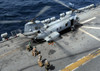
57 26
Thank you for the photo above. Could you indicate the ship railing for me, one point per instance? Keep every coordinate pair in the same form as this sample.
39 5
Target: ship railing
15 32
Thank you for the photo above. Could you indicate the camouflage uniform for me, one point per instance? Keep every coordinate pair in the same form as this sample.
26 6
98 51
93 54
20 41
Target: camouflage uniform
29 47
34 52
40 63
47 65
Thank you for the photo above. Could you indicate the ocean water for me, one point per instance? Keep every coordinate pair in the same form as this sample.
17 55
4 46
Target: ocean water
27 9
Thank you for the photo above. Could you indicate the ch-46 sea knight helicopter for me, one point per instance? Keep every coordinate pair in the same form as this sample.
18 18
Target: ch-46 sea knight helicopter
52 26
50 31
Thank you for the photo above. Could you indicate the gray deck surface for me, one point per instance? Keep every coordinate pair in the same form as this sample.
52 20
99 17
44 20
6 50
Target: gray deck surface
73 46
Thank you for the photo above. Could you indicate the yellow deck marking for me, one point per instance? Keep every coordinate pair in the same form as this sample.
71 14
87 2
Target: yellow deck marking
8 53
88 20
90 27
81 61
89 34
85 59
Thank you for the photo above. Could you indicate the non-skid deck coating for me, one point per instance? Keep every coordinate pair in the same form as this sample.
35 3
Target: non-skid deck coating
72 47
82 61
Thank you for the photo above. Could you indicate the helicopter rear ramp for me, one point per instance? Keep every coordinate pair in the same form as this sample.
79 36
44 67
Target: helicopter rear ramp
73 47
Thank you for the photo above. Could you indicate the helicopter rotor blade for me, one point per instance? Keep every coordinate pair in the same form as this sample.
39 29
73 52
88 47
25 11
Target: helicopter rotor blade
60 2
43 10
19 21
10 22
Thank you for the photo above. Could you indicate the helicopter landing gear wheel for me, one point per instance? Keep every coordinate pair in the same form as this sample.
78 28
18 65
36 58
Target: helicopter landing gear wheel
73 28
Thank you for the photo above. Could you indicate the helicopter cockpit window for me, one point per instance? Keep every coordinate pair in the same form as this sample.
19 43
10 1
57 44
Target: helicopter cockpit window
30 27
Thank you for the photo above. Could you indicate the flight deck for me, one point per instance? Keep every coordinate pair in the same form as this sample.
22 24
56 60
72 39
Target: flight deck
77 50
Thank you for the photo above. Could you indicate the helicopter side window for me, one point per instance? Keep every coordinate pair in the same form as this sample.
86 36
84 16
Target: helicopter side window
60 27
47 26
49 36
50 31
66 24
30 30
39 31
57 29
36 28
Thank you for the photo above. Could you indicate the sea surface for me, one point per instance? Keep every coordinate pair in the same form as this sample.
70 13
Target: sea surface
27 9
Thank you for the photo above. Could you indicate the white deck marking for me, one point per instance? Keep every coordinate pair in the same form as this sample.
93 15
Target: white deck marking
88 20
90 27
89 34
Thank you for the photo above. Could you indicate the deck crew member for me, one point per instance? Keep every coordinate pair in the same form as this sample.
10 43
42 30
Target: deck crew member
35 52
47 65
29 47
40 57
40 63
